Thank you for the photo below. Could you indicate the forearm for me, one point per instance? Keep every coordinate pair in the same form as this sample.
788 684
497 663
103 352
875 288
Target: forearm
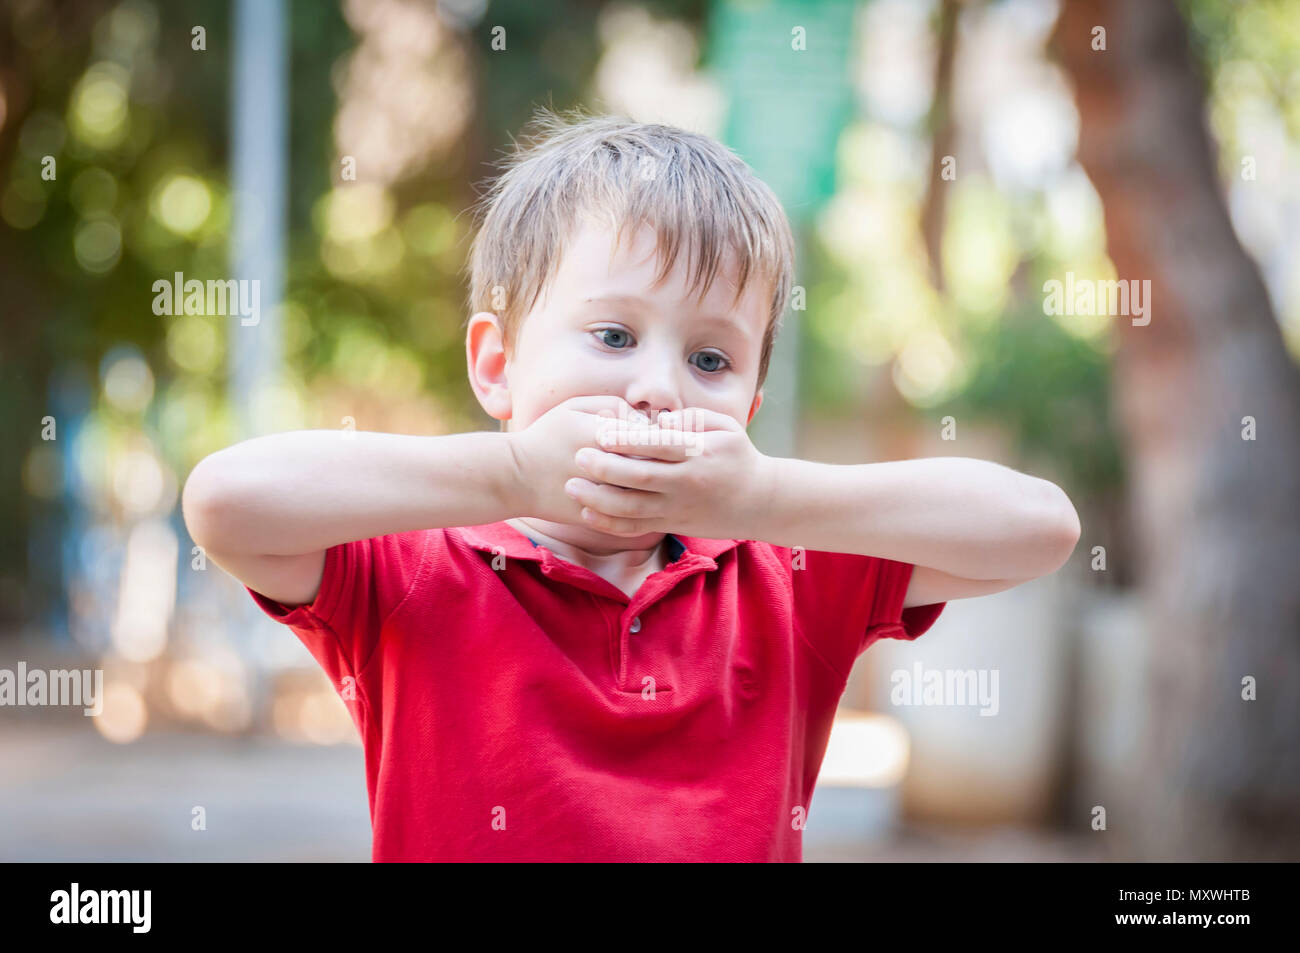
966 517
307 490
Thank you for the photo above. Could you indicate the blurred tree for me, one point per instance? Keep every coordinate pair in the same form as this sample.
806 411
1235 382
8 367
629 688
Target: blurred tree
119 96
1216 513
943 135
1049 390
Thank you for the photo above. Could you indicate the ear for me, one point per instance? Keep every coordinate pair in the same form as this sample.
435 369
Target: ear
486 360
753 408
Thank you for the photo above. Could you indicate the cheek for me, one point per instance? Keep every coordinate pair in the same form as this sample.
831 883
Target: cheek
736 406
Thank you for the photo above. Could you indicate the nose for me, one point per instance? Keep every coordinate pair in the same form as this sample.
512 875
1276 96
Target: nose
654 387
653 408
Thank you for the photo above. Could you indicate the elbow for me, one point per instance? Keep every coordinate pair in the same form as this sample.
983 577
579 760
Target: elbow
1060 527
203 502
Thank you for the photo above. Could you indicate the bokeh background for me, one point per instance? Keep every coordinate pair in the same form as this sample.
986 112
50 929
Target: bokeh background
940 162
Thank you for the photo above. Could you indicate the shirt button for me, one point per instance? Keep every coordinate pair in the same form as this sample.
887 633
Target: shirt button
636 624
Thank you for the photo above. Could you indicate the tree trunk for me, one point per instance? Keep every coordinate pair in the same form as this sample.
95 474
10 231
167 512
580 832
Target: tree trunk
1216 514
943 134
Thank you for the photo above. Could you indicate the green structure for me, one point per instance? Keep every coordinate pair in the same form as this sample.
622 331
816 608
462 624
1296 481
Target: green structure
784 66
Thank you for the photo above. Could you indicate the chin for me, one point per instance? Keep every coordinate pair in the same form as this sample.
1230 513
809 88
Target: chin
603 537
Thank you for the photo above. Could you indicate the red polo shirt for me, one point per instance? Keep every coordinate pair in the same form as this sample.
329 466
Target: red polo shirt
517 707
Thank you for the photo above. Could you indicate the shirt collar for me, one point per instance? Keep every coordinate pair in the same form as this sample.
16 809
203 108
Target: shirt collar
501 536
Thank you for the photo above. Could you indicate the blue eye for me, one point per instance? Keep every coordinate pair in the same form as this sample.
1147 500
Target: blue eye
616 331
722 362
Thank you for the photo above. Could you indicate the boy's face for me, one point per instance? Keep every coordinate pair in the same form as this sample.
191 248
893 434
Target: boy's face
600 328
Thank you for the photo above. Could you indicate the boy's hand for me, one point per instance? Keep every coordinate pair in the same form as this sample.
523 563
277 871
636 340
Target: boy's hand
544 454
703 478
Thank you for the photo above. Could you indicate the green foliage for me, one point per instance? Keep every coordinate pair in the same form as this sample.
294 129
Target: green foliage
1051 392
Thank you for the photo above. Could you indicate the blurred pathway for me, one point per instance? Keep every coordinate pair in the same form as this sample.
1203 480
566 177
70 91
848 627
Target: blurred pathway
68 795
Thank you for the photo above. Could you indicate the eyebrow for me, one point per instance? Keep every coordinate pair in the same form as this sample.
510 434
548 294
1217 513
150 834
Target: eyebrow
642 304
618 299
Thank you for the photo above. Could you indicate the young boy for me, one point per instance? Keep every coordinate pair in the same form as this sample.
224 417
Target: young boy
559 649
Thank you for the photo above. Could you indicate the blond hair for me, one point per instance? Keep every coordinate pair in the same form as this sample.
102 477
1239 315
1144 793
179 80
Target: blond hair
692 190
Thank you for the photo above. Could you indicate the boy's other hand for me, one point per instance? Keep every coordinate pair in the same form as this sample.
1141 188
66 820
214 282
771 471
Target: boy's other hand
544 453
693 472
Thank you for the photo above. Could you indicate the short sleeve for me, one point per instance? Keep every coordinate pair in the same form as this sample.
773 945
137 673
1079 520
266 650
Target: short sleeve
362 584
844 602
889 619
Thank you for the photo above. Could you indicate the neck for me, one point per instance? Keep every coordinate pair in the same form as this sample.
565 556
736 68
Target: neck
590 548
